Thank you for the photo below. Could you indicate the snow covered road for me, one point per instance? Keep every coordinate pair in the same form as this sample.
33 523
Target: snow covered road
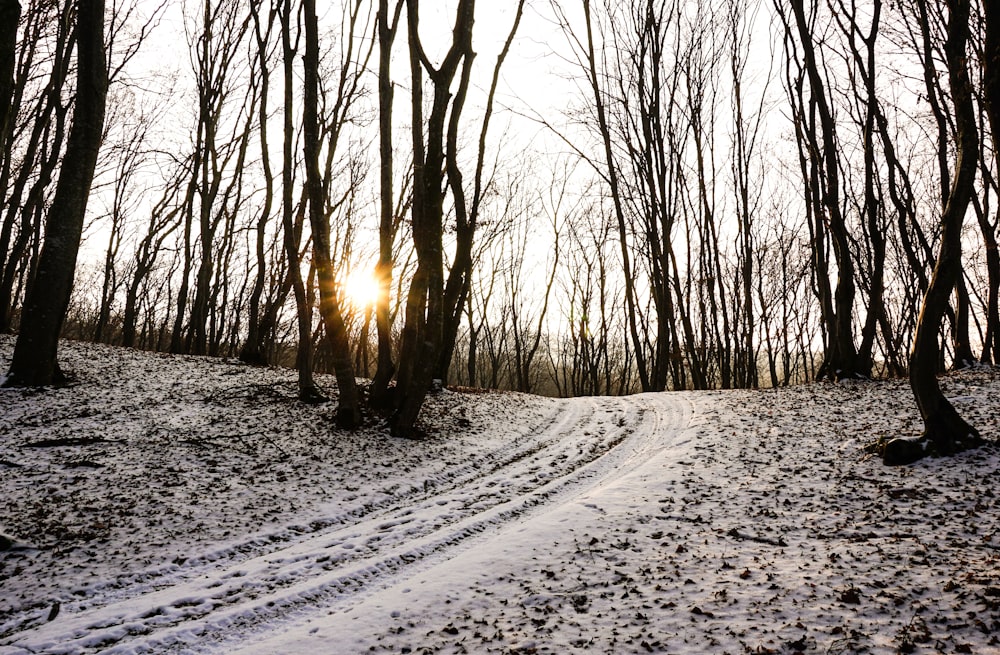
237 594
189 505
234 597
616 475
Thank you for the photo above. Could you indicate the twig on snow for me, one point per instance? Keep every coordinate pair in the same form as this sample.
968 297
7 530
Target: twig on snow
736 534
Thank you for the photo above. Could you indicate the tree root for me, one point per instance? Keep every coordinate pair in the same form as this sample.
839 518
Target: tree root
900 452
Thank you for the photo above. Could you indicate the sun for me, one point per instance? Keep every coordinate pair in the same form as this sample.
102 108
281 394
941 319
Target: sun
361 289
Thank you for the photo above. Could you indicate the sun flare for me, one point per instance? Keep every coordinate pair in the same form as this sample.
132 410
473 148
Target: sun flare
361 288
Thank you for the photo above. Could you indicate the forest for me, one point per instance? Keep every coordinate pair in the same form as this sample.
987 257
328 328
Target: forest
548 196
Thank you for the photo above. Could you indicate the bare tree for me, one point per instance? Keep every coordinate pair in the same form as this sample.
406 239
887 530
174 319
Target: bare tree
388 26
253 347
652 375
945 432
423 329
433 308
823 189
34 362
748 188
349 401
164 220
127 155
991 104
456 291
10 15
309 391
47 41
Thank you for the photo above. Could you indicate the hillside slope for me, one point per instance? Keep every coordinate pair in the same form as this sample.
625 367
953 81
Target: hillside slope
183 504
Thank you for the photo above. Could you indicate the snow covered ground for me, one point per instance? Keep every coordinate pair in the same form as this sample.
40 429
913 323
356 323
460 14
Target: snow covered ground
190 505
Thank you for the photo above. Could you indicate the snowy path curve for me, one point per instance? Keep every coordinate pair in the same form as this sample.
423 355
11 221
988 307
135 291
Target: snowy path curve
233 595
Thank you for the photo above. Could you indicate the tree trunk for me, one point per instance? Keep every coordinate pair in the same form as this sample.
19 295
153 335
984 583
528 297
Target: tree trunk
423 329
348 406
252 351
961 340
309 392
10 13
945 432
617 199
387 225
466 214
39 159
991 70
841 359
991 97
34 362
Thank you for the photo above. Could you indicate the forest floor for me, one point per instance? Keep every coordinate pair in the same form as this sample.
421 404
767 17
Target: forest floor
171 504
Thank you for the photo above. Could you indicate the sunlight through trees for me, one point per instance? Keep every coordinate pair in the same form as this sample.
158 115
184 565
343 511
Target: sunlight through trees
552 196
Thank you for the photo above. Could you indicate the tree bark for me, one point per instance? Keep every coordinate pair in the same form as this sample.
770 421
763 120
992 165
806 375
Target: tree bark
617 199
40 157
841 359
991 70
309 391
252 351
991 97
945 432
387 224
423 329
348 406
456 292
10 13
34 362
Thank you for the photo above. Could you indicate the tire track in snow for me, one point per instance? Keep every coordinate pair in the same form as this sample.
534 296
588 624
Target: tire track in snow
591 442
137 583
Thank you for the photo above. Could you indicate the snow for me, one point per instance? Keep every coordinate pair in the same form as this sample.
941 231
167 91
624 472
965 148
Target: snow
189 505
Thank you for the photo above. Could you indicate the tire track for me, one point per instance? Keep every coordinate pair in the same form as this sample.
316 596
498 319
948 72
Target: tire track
286 578
133 584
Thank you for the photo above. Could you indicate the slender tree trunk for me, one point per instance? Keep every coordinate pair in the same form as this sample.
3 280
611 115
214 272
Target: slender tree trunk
841 359
991 97
744 142
348 406
177 331
253 348
616 197
962 342
945 432
34 362
309 392
991 71
988 229
40 157
10 13
387 224
456 292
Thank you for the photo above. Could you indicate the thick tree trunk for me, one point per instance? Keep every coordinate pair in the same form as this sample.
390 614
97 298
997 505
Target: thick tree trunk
945 432
34 362
423 329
